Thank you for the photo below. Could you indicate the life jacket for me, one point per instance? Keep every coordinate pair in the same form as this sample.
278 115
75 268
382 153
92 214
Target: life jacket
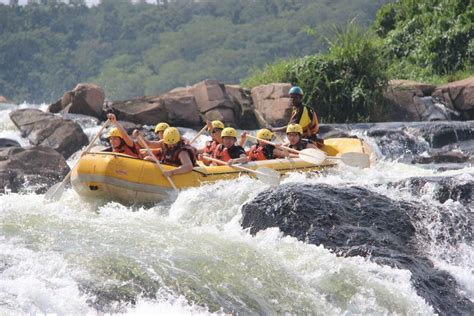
133 151
225 154
258 152
308 120
210 147
300 145
171 156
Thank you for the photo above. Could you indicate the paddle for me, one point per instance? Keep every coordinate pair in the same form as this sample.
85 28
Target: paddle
56 191
198 134
150 153
316 156
264 174
262 121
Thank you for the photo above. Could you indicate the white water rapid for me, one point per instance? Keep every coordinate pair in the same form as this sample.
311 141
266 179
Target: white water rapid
191 256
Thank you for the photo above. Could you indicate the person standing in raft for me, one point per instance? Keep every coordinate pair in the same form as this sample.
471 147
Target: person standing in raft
228 151
177 153
156 146
302 115
119 140
215 129
260 150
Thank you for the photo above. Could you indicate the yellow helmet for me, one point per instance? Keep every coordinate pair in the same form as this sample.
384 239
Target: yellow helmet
229 132
294 128
217 124
160 127
114 132
265 134
171 136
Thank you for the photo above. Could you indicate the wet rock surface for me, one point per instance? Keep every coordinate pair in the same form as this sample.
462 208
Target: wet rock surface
35 168
354 221
45 129
6 142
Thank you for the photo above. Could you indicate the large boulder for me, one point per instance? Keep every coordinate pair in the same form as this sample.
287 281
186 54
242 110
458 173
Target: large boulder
272 104
191 106
353 221
35 168
85 98
178 108
243 99
405 100
459 95
214 103
45 129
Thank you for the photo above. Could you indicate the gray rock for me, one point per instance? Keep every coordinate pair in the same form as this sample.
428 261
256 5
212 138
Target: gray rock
30 169
6 142
85 98
45 129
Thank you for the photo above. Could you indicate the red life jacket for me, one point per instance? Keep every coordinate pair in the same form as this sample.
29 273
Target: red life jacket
259 152
171 156
221 153
210 147
133 151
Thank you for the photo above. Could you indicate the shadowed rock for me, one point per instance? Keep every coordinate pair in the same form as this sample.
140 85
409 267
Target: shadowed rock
357 222
85 98
45 129
5 142
39 167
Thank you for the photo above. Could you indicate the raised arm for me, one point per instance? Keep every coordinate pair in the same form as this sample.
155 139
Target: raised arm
113 119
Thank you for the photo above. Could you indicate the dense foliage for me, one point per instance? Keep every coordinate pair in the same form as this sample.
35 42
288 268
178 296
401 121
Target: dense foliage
47 46
422 39
430 41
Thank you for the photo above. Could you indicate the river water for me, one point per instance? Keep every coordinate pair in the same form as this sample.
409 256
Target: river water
190 255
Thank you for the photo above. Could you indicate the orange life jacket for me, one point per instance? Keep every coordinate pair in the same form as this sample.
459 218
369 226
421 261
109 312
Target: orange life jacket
225 154
133 151
171 156
259 152
210 147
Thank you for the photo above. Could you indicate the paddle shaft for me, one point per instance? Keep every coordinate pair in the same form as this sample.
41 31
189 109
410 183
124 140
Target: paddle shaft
85 151
236 167
262 120
274 144
150 153
198 134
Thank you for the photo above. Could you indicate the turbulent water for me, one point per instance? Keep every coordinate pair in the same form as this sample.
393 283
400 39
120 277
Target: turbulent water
190 255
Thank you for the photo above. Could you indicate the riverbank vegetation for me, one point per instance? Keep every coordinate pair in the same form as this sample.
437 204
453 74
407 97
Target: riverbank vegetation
430 41
48 46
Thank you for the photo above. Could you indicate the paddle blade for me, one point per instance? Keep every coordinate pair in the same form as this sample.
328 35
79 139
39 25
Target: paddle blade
268 175
311 155
55 192
354 159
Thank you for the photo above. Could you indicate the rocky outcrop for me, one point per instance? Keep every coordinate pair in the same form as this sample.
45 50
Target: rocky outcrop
459 96
85 98
405 100
272 104
36 168
191 106
45 129
176 108
357 222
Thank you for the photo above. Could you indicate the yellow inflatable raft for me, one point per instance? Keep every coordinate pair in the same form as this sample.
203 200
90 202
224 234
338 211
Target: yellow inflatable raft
118 177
